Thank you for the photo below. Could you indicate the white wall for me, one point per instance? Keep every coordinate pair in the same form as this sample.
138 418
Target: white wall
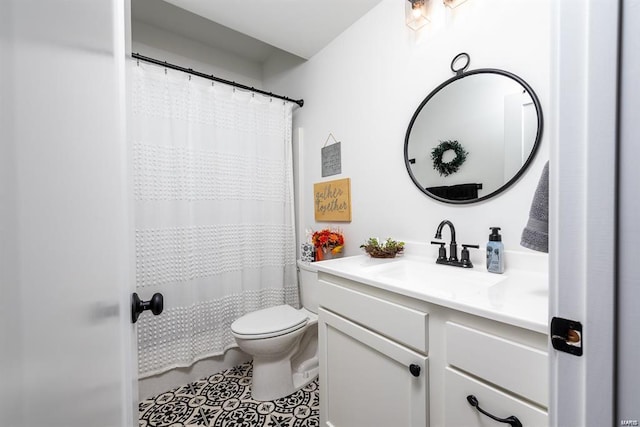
158 43
364 88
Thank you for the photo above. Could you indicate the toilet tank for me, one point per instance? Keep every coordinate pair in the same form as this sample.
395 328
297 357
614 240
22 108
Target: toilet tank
308 280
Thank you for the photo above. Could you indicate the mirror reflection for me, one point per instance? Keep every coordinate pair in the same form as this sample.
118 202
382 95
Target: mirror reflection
473 136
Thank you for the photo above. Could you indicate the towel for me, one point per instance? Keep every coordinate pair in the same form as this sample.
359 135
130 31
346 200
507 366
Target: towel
536 234
456 192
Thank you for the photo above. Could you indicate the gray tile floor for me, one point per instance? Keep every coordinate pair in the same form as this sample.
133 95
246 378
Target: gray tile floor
224 399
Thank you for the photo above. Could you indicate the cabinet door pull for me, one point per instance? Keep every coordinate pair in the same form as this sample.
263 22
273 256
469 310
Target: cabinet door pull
513 421
414 369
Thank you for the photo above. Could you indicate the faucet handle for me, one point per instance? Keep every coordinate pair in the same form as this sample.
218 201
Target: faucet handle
464 257
442 252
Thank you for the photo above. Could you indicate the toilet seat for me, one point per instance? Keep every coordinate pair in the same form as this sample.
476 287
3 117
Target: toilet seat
269 322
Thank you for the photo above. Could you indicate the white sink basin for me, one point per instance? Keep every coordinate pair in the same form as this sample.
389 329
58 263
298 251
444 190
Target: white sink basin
444 281
518 297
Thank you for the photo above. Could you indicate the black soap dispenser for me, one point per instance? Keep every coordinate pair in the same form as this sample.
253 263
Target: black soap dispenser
495 252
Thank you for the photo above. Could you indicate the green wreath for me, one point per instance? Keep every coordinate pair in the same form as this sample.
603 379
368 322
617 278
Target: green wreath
447 168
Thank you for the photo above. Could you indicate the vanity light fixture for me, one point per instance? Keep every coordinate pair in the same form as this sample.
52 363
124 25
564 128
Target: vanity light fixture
416 14
452 4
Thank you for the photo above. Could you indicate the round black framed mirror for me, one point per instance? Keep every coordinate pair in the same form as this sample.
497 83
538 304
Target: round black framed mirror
473 136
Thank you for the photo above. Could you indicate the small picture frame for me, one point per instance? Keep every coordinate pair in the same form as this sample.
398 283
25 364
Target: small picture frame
331 160
307 252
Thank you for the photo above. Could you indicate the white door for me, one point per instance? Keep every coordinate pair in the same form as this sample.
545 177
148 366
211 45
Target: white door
65 252
583 207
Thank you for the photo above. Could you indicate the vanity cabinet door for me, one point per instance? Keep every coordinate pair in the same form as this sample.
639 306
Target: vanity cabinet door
368 380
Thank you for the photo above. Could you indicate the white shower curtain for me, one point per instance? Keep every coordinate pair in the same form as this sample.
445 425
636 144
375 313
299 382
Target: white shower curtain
214 224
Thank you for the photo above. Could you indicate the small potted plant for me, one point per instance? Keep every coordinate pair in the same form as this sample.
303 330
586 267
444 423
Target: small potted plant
328 244
388 249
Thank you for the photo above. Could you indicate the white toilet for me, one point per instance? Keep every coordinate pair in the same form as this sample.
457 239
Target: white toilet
283 341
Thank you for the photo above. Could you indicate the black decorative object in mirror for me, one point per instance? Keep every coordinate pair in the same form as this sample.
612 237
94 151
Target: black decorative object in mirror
497 116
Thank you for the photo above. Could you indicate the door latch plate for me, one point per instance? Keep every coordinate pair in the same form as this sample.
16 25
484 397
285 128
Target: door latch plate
566 335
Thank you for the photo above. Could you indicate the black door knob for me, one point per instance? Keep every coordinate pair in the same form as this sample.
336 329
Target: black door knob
155 304
414 369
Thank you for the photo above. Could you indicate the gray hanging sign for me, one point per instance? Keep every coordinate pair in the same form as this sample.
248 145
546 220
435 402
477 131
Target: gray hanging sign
331 158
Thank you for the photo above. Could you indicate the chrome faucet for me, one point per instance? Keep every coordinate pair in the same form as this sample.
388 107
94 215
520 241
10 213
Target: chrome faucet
452 260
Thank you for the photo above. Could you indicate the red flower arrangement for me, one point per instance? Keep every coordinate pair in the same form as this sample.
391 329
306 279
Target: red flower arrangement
327 241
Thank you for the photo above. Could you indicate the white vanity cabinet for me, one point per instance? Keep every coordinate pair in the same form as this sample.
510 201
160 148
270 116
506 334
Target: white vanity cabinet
387 359
368 378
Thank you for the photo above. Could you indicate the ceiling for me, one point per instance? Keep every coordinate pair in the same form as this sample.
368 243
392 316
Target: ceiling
252 28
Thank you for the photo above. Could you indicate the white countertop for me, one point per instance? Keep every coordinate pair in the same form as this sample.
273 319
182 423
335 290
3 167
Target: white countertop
518 297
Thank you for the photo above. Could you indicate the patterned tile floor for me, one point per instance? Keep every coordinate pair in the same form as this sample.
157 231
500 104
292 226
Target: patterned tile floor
224 400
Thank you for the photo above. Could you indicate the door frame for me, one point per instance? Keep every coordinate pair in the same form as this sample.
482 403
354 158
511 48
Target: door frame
583 207
129 329
628 347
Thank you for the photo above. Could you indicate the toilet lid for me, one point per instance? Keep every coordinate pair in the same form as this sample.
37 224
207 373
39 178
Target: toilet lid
269 322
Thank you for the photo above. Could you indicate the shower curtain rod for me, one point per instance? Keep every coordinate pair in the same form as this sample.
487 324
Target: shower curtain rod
166 64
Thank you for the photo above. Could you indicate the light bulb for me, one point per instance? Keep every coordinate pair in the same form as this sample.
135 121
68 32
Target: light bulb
416 15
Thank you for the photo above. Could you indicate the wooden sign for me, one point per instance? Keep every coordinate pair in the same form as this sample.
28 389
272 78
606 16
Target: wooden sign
332 200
